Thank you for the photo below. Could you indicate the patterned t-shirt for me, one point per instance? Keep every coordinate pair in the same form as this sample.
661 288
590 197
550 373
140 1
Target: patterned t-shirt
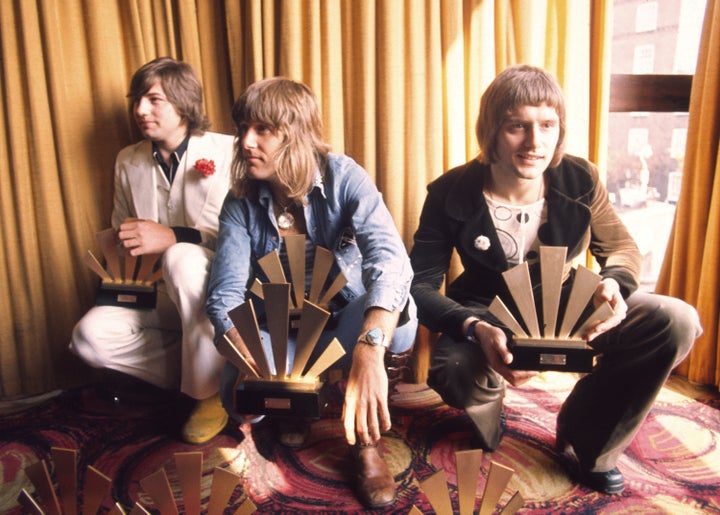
517 228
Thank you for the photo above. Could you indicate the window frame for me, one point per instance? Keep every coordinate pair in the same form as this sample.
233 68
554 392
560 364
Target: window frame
650 93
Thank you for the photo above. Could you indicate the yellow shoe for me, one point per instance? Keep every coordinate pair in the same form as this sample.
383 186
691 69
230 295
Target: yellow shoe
207 419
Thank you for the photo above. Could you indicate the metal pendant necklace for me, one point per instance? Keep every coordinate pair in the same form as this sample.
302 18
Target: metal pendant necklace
285 219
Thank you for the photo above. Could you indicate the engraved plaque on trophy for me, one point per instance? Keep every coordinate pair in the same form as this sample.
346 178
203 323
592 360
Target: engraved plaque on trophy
128 281
552 348
273 390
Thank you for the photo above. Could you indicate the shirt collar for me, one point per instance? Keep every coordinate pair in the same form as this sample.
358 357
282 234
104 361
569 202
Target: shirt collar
177 154
318 182
265 194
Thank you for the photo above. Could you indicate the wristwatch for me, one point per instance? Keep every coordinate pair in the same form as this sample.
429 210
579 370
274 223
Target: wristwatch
470 333
374 337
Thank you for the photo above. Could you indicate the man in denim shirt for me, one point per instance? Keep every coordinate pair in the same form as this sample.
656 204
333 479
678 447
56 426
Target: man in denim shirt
285 182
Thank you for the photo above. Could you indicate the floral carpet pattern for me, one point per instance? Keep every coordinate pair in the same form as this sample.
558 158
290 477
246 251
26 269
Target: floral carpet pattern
672 466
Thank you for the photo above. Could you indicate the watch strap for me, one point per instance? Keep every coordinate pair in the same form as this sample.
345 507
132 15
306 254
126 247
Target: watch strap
470 333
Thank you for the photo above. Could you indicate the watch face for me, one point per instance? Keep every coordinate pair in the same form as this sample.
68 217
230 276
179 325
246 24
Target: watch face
374 336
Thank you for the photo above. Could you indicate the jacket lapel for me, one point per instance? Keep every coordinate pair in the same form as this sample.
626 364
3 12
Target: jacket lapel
196 187
466 204
143 178
568 214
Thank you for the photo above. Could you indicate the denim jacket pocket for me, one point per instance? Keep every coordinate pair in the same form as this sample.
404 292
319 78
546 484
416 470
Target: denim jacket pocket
346 250
348 256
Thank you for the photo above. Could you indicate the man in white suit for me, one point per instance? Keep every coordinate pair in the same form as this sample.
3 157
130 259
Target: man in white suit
169 189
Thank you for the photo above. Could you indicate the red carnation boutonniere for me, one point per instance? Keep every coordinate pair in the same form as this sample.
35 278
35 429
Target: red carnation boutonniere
205 166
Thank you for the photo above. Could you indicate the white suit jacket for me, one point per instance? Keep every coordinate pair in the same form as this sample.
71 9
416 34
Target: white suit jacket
194 200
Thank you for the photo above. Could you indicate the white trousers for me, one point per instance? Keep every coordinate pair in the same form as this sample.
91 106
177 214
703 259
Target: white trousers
170 346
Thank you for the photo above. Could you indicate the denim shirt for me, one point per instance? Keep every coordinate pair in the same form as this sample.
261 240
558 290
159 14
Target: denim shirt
344 212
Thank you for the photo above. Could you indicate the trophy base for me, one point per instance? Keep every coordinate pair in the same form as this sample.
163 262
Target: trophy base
280 398
548 354
126 296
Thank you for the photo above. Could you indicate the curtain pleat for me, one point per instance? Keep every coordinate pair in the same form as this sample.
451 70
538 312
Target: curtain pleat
359 82
690 269
392 101
20 259
599 86
399 84
214 65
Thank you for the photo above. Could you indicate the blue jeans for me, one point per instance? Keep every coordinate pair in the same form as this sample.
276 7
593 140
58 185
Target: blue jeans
345 326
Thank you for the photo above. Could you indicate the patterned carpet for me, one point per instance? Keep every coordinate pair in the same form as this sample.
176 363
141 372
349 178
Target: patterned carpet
673 466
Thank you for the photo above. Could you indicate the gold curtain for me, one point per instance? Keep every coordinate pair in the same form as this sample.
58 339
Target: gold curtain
690 269
399 83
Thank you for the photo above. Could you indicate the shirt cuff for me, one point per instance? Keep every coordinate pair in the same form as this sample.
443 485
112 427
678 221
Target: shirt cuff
187 235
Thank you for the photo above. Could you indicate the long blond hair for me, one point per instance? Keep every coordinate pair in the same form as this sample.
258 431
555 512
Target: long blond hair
291 111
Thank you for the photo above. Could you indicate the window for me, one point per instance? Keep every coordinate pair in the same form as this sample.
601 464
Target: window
648 117
637 140
688 36
677 143
646 17
644 59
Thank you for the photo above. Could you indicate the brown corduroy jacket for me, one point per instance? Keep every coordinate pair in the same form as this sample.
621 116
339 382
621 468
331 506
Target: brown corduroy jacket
579 217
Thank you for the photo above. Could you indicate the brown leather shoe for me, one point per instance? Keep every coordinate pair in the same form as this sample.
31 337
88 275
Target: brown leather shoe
374 484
